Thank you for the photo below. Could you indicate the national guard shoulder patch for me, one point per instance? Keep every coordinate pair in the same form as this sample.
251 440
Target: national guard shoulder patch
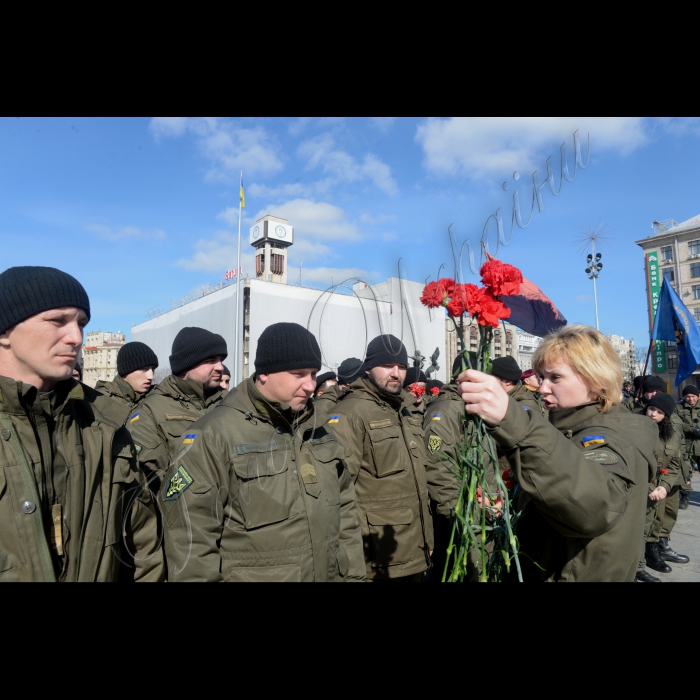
590 440
334 419
178 483
605 457
189 439
434 443
135 417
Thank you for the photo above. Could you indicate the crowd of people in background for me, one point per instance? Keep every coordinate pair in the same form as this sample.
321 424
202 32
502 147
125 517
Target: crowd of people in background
302 475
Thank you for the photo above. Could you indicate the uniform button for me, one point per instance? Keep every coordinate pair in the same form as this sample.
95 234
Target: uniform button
5 434
28 507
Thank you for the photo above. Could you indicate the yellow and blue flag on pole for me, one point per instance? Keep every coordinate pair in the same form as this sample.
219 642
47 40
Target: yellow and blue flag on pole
242 194
675 323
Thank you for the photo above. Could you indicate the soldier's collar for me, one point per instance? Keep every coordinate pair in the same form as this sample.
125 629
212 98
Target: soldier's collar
571 418
126 389
188 388
276 411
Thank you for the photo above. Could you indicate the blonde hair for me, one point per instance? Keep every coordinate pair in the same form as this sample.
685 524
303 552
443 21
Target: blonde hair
590 354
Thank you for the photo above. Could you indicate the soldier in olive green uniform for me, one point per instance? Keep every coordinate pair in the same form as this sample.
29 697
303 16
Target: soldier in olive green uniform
584 474
689 413
386 458
260 491
348 372
660 408
136 363
73 504
192 390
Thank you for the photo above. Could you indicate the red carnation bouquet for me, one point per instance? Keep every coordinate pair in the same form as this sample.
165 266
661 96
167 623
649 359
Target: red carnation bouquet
483 520
417 389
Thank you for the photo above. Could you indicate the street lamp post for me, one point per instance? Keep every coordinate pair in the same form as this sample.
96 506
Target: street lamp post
593 272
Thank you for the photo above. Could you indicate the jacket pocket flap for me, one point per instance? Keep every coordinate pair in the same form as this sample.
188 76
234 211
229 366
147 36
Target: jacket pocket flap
379 434
391 516
258 465
264 447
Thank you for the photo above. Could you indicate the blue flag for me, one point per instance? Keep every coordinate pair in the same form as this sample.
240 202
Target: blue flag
675 323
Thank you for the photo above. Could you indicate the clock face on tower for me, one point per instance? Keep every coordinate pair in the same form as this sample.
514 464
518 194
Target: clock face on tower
256 232
280 231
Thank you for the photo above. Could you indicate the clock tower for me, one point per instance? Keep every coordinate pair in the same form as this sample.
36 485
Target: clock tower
271 236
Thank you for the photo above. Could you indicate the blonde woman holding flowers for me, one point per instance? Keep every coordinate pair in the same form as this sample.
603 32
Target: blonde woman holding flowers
584 474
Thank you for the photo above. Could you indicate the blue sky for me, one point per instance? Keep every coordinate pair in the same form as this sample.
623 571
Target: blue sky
144 210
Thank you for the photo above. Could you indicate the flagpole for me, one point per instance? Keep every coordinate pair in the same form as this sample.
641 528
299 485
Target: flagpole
595 293
238 287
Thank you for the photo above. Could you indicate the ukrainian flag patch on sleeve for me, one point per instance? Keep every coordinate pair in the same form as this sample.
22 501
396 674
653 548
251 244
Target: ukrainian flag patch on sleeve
135 417
591 440
334 419
437 416
189 439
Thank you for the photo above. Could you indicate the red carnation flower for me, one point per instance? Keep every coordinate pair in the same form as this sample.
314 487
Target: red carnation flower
664 471
501 278
417 389
433 295
492 310
465 300
435 391
509 480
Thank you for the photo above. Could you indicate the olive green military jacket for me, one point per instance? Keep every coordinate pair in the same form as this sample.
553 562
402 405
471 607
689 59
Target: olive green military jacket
106 526
585 482
444 433
386 458
255 497
529 399
162 418
668 460
120 390
690 418
325 403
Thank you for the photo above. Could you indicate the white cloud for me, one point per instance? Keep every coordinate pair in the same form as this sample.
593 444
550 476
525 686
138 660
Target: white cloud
295 189
121 233
314 220
227 144
229 216
219 254
164 127
378 219
342 167
296 127
382 123
389 236
482 147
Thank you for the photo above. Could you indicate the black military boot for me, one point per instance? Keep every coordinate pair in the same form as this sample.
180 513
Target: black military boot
643 576
683 504
654 560
667 554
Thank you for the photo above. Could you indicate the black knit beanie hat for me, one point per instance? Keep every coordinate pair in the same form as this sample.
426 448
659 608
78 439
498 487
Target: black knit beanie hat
506 368
664 402
654 384
690 389
227 372
194 345
283 347
350 370
385 350
638 381
321 379
414 376
434 384
133 356
27 291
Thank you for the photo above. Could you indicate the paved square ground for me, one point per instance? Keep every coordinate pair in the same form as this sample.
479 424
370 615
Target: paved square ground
685 539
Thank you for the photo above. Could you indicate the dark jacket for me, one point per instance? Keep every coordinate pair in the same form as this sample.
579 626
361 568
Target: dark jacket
162 418
386 458
73 502
585 481
258 494
120 390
